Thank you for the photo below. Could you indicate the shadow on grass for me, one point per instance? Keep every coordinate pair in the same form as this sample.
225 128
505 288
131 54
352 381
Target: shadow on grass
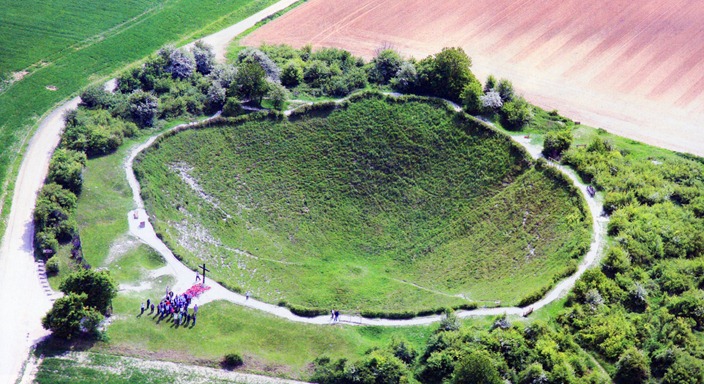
52 346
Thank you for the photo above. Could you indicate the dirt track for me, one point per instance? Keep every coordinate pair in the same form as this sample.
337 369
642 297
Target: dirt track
634 68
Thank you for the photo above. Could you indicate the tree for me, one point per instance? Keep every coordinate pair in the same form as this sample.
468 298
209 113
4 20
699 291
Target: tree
517 113
66 169
491 101
471 98
406 77
477 368
385 66
95 96
277 95
632 368
204 57
181 64
292 75
685 370
505 89
250 82
556 143
447 74
69 317
232 107
217 95
272 71
99 287
143 108
490 84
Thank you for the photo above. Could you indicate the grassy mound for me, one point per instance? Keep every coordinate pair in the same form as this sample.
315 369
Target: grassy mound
377 205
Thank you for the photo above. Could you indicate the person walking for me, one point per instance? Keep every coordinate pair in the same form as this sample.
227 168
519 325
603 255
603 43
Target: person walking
337 315
142 309
246 296
148 302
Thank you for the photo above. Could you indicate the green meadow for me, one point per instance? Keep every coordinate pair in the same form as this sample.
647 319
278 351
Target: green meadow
376 206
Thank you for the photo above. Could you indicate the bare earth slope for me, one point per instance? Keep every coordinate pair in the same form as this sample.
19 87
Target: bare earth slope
634 68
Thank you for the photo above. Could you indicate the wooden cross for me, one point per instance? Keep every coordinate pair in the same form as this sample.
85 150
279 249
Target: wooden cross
204 270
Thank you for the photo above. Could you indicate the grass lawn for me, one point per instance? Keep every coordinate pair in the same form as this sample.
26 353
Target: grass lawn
407 210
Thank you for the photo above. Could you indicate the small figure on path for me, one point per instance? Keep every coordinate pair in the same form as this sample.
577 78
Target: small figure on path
142 309
197 277
332 315
152 308
246 296
337 315
148 301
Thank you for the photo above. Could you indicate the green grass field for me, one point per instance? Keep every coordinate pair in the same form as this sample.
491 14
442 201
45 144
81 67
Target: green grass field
380 206
109 37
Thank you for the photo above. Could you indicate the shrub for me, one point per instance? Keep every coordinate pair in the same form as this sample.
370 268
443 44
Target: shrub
406 78
534 296
277 95
292 75
449 322
271 70
556 143
250 82
472 98
491 101
66 169
232 107
143 108
232 361
385 66
95 96
181 64
477 367
99 288
52 266
69 317
517 113
505 89
46 240
204 57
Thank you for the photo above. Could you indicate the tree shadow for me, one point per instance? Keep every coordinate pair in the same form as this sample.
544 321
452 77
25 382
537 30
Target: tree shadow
51 346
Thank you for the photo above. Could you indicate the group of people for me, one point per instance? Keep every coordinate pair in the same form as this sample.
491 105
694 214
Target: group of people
175 306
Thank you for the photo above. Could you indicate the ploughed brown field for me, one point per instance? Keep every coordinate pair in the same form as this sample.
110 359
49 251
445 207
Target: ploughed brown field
635 68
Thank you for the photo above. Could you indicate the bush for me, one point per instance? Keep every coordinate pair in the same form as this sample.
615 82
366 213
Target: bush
52 266
143 108
99 288
556 143
385 66
505 90
534 296
181 64
204 57
632 368
517 113
70 317
406 78
46 240
477 367
271 70
232 107
292 75
66 169
450 322
232 361
472 98
95 96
